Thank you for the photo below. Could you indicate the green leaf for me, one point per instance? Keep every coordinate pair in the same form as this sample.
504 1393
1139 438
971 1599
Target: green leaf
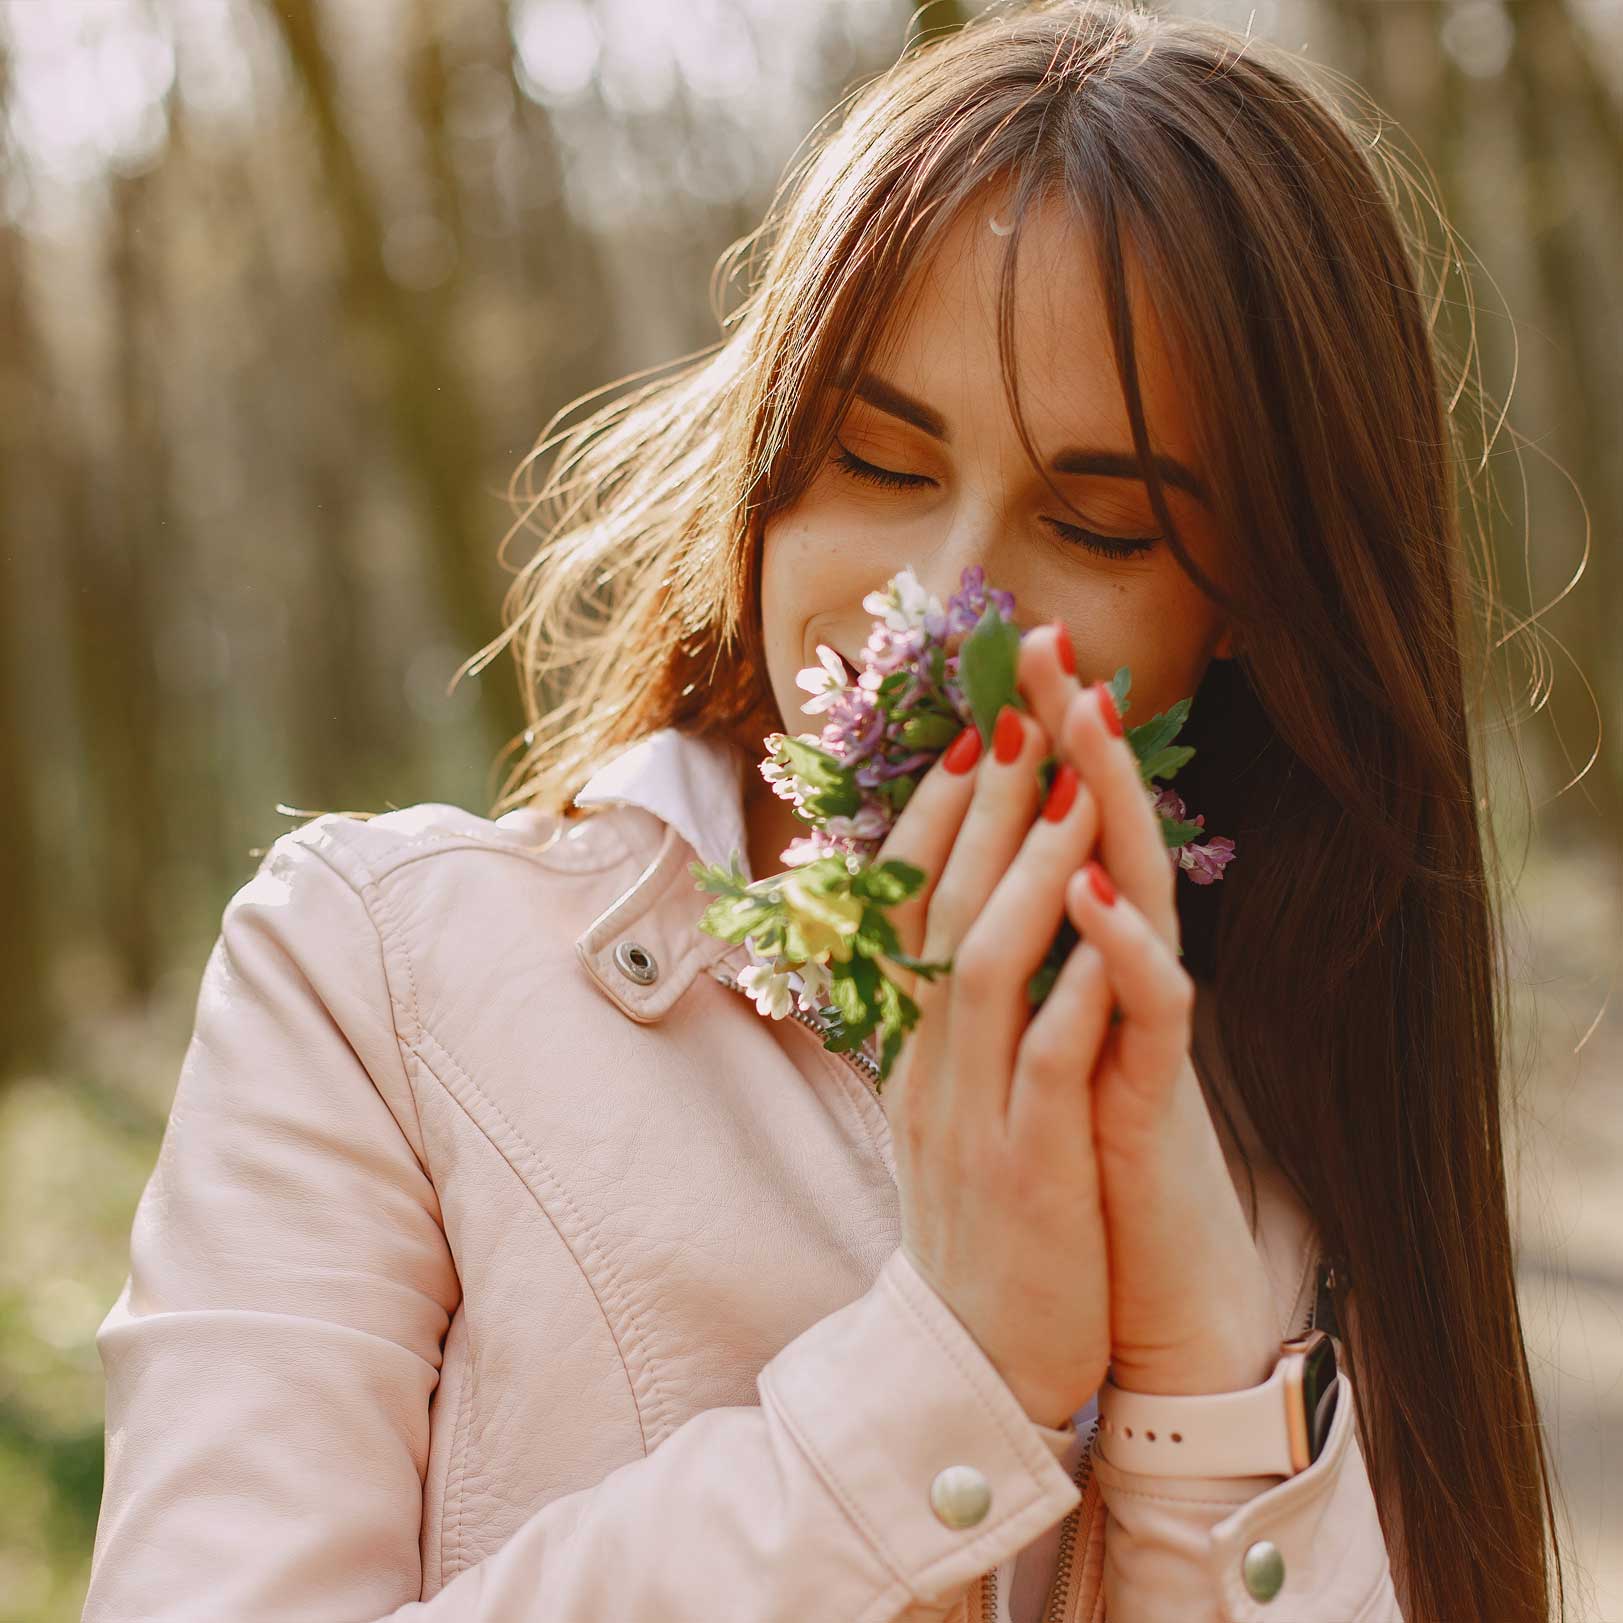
1164 763
729 881
734 917
925 968
900 1015
930 731
1158 731
847 997
887 882
1118 685
854 991
896 792
831 785
986 669
1176 833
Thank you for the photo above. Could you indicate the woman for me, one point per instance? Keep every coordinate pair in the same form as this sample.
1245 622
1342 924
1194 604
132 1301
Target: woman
502 1262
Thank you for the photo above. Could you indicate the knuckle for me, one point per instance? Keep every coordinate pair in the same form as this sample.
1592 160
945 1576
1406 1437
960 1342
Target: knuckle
1044 1057
976 968
1180 994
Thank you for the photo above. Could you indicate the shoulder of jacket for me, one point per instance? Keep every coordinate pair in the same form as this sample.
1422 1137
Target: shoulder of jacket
369 850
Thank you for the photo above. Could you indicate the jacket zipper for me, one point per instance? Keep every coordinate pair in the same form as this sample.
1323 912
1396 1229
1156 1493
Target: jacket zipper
859 1061
1065 1564
1059 1593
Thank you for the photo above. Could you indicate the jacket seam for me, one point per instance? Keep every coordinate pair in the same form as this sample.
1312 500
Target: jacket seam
831 1481
420 1149
1228 1506
544 1172
410 848
423 1035
456 1479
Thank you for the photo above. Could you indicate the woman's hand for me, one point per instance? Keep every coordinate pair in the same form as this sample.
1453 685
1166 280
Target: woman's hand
990 1112
1191 1309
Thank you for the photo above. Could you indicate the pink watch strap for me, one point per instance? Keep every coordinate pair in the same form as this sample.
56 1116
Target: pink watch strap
1221 1434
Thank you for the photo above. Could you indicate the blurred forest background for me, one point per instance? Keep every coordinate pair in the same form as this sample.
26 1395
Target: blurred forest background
288 288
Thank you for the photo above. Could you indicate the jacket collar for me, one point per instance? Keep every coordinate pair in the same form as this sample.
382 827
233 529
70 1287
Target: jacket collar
685 796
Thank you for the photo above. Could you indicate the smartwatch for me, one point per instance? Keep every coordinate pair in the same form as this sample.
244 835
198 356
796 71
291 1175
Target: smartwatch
1276 1429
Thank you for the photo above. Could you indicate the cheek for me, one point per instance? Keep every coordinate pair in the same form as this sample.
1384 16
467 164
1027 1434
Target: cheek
815 570
1160 626
791 572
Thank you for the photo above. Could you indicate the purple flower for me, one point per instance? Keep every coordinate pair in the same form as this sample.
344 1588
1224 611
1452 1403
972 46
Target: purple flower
1204 863
853 724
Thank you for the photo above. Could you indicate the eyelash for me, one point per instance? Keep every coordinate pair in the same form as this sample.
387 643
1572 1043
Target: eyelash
1118 548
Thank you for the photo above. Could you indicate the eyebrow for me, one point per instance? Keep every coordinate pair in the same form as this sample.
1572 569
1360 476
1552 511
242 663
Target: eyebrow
1096 460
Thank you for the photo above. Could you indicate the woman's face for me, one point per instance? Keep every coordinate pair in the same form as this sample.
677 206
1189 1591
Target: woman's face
927 471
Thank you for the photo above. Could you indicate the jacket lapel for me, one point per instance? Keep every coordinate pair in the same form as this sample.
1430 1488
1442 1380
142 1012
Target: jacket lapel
646 946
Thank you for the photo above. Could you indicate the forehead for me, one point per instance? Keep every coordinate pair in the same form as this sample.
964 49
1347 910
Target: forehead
943 343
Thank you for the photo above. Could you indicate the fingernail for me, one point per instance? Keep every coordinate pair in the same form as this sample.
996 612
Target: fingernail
1099 883
1061 792
1006 735
1107 708
964 751
1062 647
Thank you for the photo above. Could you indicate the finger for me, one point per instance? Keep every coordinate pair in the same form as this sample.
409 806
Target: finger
1154 992
1000 812
1045 673
1050 1098
1010 937
923 835
1093 738
974 1096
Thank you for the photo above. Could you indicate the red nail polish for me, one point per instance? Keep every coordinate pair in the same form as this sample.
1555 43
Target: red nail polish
1107 708
1062 647
1007 734
1061 792
1099 883
964 751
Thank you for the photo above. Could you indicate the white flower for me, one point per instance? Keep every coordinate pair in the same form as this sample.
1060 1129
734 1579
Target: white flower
823 682
869 824
769 986
815 980
904 603
807 848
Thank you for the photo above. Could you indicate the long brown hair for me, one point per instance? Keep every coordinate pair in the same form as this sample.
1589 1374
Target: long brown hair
1356 955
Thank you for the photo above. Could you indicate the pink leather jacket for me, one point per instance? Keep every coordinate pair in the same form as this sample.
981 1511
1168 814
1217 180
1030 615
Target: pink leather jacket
502 1264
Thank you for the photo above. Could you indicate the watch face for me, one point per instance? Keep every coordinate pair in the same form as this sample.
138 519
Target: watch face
1319 1390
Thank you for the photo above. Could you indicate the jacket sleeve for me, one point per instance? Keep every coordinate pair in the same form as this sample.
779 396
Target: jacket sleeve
1176 1547
272 1355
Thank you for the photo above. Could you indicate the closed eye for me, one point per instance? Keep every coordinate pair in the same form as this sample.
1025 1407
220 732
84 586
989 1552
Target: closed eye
1119 548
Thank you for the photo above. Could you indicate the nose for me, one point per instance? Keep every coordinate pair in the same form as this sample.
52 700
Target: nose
970 540
940 570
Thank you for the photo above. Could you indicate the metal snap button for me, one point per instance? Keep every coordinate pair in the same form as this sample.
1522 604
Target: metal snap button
1263 1569
960 1495
636 962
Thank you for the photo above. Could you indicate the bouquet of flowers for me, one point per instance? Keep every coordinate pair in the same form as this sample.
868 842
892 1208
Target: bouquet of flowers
929 671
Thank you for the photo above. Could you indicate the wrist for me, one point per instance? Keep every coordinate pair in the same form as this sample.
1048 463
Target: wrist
1221 1362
